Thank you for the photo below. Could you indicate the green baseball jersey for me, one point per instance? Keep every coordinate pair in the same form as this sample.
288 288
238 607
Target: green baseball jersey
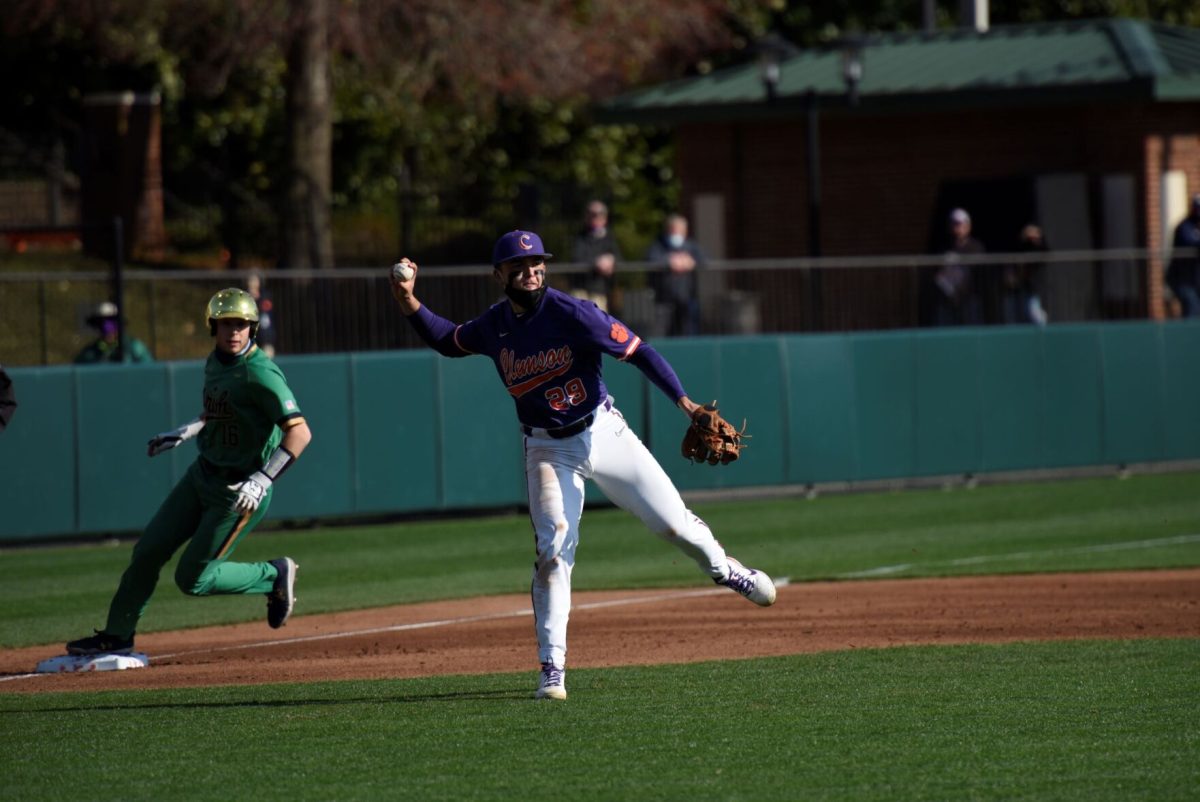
246 400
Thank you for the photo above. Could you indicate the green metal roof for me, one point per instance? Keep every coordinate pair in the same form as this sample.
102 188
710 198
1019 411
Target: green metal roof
1089 59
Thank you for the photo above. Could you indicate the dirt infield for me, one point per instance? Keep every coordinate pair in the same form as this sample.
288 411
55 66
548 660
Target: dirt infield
494 634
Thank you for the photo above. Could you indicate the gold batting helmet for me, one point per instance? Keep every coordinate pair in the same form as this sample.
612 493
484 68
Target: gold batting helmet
233 303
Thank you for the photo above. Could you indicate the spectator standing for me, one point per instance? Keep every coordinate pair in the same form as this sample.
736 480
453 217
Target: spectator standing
676 287
596 247
955 295
106 347
1184 270
1021 301
266 314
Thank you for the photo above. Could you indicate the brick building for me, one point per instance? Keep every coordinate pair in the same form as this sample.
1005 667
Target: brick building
1089 128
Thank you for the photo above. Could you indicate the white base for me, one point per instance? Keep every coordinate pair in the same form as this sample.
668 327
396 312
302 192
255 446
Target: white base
70 663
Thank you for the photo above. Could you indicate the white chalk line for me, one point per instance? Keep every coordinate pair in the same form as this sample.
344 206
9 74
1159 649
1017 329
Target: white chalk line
780 582
885 570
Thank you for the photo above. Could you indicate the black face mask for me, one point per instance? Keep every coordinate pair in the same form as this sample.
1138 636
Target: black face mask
526 299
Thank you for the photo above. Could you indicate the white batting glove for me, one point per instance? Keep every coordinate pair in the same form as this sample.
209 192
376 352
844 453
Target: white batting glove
174 438
251 492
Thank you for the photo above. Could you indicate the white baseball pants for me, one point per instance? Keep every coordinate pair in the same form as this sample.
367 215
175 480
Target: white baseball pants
626 472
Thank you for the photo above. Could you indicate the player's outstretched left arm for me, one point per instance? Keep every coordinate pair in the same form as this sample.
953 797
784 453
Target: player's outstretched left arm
709 437
251 492
662 375
165 441
688 406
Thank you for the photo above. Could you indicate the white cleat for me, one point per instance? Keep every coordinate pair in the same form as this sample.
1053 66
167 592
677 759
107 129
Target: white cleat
754 585
553 683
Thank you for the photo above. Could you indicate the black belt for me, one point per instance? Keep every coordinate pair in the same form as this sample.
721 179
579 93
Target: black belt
571 429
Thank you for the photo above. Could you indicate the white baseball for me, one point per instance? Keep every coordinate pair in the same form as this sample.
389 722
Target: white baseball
403 271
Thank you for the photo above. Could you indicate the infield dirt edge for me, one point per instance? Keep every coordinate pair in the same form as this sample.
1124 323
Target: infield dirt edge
644 627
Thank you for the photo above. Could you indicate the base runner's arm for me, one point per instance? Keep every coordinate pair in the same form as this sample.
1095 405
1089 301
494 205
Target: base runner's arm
165 441
296 437
250 493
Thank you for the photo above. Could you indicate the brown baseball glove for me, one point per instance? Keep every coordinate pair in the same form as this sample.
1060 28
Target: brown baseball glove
712 439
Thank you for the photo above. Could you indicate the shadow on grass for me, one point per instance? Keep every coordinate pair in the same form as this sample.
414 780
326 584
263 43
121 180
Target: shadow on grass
458 696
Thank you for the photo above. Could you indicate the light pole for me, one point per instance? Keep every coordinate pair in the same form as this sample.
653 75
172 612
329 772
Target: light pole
773 50
812 165
853 67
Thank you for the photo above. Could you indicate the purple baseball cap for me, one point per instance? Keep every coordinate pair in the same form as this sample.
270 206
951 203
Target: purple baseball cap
517 245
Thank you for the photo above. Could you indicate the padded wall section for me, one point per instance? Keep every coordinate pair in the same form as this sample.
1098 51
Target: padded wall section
1072 402
397 432
482 456
397 458
1134 394
885 405
39 483
1011 375
945 392
118 408
818 381
1181 382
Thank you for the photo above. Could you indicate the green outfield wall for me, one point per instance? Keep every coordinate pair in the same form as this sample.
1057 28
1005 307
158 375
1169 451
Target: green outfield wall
402 432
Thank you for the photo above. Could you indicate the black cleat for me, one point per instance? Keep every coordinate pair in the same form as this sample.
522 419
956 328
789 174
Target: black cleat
282 597
101 643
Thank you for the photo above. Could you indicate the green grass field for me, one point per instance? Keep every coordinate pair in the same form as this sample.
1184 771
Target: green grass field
1084 720
1074 720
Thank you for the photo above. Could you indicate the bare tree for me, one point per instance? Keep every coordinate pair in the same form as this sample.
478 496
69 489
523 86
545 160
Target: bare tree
307 237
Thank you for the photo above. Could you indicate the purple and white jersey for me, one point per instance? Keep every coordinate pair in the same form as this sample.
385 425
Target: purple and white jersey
549 359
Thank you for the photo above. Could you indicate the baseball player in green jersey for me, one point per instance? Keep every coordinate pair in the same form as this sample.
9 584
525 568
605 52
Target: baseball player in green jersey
251 431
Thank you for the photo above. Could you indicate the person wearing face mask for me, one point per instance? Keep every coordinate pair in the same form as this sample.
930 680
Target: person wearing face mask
676 285
106 348
547 348
598 249
8 399
954 288
1183 273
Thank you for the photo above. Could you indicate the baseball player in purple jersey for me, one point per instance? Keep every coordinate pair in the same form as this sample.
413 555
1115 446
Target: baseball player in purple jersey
547 347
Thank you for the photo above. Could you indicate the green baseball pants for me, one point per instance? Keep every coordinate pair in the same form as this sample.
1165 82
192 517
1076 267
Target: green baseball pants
199 511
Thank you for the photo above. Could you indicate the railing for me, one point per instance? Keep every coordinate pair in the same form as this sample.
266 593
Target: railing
42 315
